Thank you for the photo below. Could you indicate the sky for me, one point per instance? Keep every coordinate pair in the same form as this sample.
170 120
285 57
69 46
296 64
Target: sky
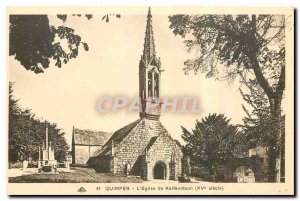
68 95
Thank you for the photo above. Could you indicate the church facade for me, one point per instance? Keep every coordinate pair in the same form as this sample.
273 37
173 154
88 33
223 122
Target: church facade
143 148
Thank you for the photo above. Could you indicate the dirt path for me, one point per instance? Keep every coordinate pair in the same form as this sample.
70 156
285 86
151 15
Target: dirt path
15 172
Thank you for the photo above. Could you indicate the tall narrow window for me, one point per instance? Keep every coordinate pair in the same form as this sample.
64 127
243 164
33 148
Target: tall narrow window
156 85
149 84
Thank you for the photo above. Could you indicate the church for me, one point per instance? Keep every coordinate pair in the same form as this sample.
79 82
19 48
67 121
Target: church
143 148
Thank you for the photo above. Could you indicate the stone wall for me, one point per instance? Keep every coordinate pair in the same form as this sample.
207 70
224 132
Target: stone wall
138 166
103 164
83 153
163 150
134 144
152 110
255 163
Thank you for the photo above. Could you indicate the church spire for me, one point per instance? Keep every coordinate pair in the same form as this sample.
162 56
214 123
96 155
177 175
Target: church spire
149 76
149 47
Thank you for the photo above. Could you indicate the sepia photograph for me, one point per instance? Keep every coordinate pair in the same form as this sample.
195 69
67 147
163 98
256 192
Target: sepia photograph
150 101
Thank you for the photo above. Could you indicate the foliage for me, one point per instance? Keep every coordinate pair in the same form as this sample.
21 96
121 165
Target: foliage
213 140
105 18
26 133
232 41
33 41
257 122
251 47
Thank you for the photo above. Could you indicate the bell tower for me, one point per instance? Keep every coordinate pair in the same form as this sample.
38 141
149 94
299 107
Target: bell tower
149 75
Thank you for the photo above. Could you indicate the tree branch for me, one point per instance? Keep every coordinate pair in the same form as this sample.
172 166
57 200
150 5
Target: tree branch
281 83
261 80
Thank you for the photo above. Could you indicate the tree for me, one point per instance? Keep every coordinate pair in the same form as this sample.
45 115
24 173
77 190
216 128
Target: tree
251 47
56 136
258 123
18 122
26 133
213 141
32 41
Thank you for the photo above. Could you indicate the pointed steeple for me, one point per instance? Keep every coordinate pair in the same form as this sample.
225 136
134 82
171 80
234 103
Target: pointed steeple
149 47
149 75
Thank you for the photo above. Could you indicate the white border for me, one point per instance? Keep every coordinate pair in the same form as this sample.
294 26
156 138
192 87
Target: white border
5 3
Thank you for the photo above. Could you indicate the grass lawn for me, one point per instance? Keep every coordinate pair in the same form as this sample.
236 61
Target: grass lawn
80 175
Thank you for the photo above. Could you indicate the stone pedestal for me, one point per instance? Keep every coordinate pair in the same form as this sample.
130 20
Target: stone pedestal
47 166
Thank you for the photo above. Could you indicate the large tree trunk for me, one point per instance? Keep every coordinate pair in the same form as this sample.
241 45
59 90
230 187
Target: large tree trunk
275 97
275 141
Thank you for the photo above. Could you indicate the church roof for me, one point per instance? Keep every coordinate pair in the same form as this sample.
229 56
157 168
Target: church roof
120 134
90 137
117 137
102 152
151 142
149 46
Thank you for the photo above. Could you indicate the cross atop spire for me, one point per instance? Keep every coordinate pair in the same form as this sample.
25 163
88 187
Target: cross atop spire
149 47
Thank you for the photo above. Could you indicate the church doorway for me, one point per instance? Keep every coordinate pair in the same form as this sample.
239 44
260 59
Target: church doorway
160 170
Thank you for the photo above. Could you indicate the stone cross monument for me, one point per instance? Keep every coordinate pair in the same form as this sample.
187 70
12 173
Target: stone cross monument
47 162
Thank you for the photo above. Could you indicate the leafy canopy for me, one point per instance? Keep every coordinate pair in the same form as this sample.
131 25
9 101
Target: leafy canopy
213 140
240 43
32 41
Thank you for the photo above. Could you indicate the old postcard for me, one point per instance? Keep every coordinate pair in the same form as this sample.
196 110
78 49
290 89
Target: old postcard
150 101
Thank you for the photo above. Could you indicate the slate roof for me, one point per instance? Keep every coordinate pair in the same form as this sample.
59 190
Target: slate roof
117 137
104 151
90 137
120 134
151 142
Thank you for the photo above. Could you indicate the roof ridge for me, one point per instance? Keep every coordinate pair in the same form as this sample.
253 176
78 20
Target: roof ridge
125 130
92 130
90 137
